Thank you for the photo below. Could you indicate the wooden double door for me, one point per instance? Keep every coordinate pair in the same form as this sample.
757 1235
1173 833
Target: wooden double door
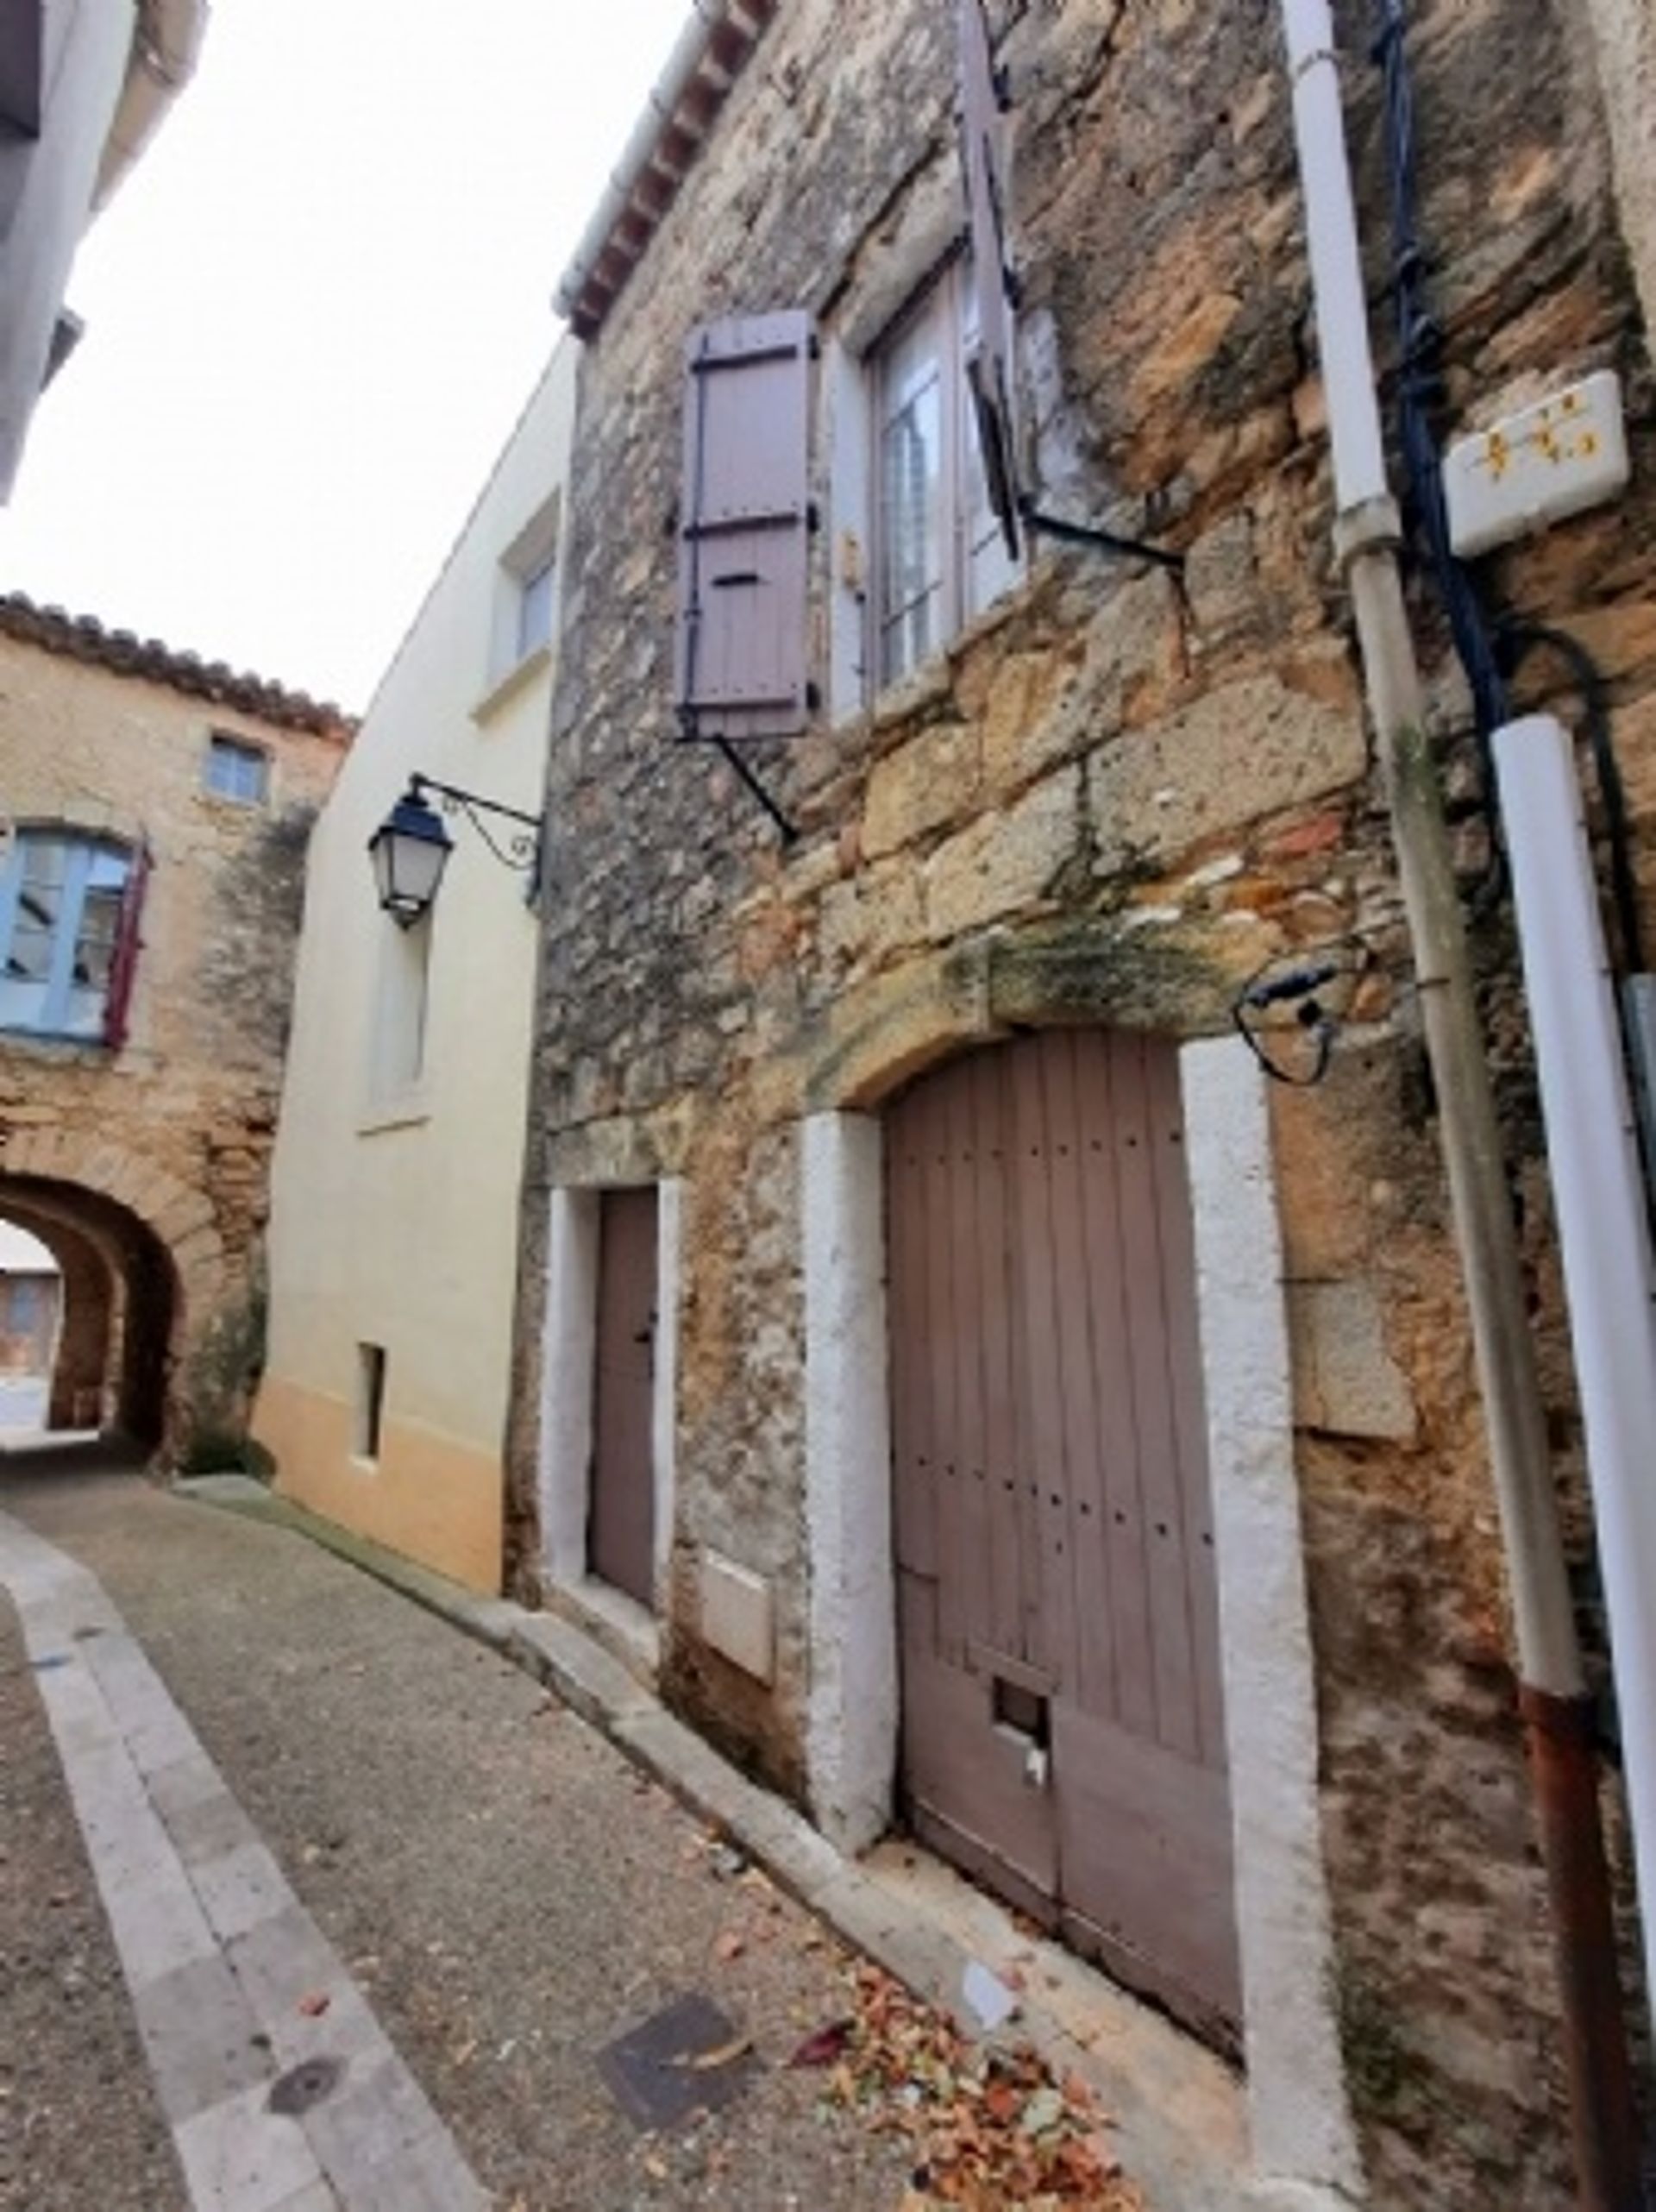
1062 1732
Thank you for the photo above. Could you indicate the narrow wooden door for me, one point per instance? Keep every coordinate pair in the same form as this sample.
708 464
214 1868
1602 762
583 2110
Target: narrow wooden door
622 1537
1063 1733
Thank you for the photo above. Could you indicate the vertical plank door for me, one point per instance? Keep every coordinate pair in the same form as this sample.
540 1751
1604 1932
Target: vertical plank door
1063 1723
622 1535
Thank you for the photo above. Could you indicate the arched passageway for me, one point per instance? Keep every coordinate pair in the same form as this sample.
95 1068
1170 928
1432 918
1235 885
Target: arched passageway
119 1308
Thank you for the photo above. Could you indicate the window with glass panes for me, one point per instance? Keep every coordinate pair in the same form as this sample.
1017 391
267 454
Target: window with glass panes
941 557
61 901
237 772
535 609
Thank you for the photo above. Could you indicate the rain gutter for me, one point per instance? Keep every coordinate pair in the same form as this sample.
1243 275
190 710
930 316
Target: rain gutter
712 50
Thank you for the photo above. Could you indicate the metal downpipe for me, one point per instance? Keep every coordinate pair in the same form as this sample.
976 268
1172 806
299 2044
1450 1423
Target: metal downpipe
1554 1703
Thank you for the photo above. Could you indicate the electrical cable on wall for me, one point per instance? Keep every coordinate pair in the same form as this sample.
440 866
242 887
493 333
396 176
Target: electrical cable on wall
1420 393
1490 655
1287 1015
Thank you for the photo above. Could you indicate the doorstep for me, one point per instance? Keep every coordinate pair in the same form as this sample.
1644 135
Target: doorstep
1178 2112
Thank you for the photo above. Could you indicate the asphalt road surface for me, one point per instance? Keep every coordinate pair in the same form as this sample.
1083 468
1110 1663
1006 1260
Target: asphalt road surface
491 1893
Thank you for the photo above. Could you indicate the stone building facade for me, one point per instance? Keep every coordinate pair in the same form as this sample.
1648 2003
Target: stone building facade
1101 803
156 813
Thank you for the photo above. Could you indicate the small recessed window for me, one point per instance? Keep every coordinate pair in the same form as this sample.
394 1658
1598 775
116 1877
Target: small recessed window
237 772
370 1398
398 1037
525 593
535 609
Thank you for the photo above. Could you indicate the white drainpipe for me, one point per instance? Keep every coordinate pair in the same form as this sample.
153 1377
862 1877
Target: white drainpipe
1599 1189
1557 1713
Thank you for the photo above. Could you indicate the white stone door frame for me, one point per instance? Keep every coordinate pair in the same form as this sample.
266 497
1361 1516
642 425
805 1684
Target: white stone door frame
1298 2113
569 1371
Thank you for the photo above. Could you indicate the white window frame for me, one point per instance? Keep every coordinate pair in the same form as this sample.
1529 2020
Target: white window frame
536 589
969 568
525 616
248 783
96 869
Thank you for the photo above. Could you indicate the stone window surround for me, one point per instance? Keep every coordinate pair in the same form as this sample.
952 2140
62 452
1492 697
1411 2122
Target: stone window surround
1299 2115
568 1375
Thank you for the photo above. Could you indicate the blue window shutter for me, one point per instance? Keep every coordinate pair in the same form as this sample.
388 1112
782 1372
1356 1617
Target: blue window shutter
78 868
740 664
991 366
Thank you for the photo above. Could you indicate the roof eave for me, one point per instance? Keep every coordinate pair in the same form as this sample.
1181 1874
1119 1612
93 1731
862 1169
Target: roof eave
712 50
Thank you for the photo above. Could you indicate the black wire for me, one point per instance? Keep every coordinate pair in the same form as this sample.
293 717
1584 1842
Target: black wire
1297 988
1419 395
1518 640
1489 658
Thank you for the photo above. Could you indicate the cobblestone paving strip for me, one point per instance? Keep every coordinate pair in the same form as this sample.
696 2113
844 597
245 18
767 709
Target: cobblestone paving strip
233 1986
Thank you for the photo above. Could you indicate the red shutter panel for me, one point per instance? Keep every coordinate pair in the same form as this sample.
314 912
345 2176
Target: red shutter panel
744 523
123 961
990 366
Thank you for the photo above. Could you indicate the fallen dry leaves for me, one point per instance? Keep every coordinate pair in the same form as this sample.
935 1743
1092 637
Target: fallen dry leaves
987 2128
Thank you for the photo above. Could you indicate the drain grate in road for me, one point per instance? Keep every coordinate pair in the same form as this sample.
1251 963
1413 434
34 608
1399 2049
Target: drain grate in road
304 2087
687 2057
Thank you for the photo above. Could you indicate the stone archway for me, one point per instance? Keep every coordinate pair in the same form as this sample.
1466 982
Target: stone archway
157 1241
120 1309
89 1296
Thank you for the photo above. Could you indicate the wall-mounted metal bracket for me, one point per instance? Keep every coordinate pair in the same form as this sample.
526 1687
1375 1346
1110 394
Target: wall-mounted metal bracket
784 829
687 730
1102 541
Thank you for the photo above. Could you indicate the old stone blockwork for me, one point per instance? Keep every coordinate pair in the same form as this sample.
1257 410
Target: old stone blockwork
156 811
1112 797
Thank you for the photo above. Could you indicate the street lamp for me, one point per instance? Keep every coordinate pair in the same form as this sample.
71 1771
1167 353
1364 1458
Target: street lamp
411 847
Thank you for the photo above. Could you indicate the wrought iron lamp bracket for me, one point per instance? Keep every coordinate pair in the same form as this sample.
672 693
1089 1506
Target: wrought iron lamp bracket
518 848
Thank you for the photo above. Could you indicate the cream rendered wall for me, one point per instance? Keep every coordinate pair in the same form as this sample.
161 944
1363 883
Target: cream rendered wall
394 1222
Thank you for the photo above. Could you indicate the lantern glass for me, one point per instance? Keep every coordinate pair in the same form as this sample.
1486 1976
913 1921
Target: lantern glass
409 852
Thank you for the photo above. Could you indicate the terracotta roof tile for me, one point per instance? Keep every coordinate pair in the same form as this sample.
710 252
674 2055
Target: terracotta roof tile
84 637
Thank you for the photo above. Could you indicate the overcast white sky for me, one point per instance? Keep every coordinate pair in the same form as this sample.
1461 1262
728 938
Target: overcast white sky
313 312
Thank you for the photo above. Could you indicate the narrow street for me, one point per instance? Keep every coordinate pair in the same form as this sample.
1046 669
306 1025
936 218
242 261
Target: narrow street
425 1880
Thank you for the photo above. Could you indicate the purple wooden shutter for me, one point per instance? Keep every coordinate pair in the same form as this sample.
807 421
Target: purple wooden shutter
123 961
744 522
990 367
19 66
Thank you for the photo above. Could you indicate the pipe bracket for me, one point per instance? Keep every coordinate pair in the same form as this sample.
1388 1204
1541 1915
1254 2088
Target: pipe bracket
1371 526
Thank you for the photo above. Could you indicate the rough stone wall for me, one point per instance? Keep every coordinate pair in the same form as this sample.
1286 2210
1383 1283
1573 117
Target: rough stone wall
159 1152
1113 800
